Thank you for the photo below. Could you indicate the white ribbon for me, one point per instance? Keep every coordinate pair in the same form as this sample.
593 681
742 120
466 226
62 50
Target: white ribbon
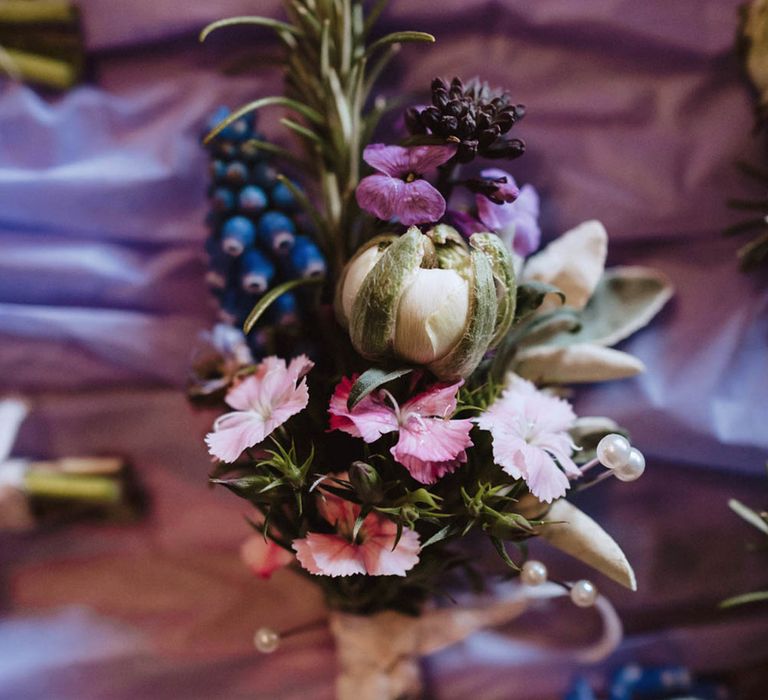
378 655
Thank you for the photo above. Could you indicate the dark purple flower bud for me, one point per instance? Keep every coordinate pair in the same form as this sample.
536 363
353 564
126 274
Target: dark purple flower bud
448 124
473 116
513 148
413 121
439 84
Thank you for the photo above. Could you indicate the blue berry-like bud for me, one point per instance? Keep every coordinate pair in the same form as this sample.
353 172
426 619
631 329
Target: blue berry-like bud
217 169
237 234
230 300
252 199
282 197
238 130
264 175
256 271
224 149
237 173
305 259
221 265
249 152
222 200
276 232
284 311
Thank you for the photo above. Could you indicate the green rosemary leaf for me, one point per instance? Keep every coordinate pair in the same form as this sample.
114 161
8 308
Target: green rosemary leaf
399 38
346 37
754 252
752 517
295 105
375 13
325 50
273 148
754 597
280 27
306 16
264 303
301 130
341 105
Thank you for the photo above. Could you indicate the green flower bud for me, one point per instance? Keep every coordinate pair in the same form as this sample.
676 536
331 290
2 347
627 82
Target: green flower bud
428 299
366 482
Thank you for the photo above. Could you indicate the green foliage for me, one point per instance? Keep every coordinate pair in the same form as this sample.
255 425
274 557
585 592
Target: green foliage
269 298
370 380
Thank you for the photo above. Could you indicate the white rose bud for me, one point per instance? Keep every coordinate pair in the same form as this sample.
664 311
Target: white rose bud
428 299
431 316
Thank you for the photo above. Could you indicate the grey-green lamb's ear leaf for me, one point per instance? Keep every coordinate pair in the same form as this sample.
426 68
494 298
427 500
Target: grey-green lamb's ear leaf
587 431
370 380
550 364
530 296
625 300
575 533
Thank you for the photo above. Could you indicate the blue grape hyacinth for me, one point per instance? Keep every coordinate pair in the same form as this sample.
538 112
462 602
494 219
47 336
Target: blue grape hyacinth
258 235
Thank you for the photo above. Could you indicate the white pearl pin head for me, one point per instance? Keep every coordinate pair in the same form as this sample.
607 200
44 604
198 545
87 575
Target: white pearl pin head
634 467
534 573
266 640
584 593
613 451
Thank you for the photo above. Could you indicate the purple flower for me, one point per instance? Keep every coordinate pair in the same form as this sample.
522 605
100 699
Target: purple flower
398 190
463 222
515 222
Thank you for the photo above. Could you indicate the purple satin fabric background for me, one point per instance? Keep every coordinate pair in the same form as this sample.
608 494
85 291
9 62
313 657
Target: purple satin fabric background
636 114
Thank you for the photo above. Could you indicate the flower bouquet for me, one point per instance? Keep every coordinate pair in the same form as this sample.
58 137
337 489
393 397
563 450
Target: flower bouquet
420 396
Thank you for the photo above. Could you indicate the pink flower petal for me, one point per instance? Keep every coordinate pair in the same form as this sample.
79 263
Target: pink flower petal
265 401
369 420
233 433
544 478
381 560
422 159
338 512
263 557
394 161
245 394
428 472
438 401
329 555
530 429
431 447
418 203
380 195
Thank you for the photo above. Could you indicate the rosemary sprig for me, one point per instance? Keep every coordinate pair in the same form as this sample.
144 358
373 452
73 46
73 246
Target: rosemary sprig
328 85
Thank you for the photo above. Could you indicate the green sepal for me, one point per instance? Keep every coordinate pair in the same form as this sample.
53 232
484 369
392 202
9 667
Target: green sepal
504 276
473 344
383 242
502 550
374 313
